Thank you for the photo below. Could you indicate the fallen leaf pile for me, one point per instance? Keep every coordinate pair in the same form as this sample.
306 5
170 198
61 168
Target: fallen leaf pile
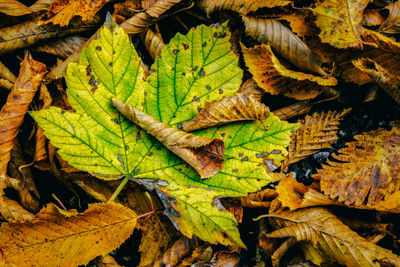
158 126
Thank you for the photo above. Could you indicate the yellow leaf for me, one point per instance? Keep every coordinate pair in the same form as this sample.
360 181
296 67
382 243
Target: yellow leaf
316 132
56 237
330 235
274 78
340 22
365 174
229 109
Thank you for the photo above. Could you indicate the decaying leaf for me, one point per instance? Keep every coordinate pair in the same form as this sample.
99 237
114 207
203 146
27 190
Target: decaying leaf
274 78
62 48
229 109
200 255
261 199
140 21
293 110
202 153
250 87
13 8
41 5
177 252
60 12
372 17
113 146
329 234
392 23
340 22
13 112
6 73
30 32
299 22
240 6
153 43
12 211
58 236
316 132
365 172
383 77
285 42
106 261
224 258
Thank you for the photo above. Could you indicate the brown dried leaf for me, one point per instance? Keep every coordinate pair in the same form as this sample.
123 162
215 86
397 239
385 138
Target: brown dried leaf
13 8
261 199
293 110
274 78
26 188
60 12
250 87
13 112
383 77
30 32
62 48
179 250
200 255
366 172
203 154
285 42
340 22
106 261
6 73
224 258
234 206
153 42
316 132
392 23
299 22
329 234
12 211
228 109
243 7
41 140
58 236
41 5
382 42
372 17
142 20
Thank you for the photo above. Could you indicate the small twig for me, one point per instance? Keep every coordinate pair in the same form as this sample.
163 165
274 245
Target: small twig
118 190
59 201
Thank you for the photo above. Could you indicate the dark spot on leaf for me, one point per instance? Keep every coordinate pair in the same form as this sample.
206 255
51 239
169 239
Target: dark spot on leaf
223 134
138 137
173 69
151 71
230 137
202 73
126 147
110 64
204 44
175 51
180 126
98 48
151 154
77 95
275 152
261 155
222 35
270 165
185 46
116 121
199 109
195 99
238 178
145 93
245 159
113 52
217 25
62 111
136 172
240 155
208 87
221 91
235 170
215 35
195 68
121 161
183 74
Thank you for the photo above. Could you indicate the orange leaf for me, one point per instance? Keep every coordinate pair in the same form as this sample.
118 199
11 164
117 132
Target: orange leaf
61 12
57 237
13 112
274 78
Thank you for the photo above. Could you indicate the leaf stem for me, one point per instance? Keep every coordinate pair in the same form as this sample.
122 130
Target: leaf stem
118 190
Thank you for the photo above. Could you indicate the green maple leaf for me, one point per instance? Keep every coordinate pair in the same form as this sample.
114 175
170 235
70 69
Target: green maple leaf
193 69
